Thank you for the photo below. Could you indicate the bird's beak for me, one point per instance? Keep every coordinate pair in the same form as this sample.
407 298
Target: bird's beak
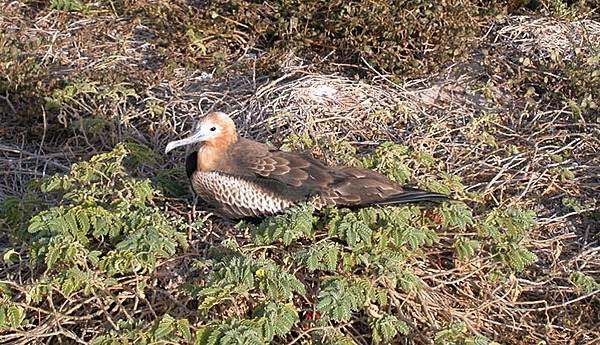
196 137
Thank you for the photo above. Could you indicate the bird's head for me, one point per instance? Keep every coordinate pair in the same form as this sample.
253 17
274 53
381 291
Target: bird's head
215 129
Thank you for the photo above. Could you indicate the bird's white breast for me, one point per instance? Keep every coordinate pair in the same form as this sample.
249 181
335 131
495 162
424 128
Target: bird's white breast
238 197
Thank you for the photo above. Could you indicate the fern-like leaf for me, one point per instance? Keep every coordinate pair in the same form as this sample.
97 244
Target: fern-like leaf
321 256
514 255
350 229
339 297
294 223
242 332
386 327
465 247
456 214
275 318
583 282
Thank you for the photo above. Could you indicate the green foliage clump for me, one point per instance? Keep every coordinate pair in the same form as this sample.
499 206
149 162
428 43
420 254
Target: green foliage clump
238 274
583 282
315 275
89 107
362 260
267 321
289 226
507 230
236 277
388 158
456 334
163 330
12 316
24 78
102 227
339 297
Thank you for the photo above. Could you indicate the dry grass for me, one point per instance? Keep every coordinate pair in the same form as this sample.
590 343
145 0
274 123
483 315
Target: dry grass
541 36
500 145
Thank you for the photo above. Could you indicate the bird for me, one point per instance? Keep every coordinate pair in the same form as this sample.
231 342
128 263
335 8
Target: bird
242 178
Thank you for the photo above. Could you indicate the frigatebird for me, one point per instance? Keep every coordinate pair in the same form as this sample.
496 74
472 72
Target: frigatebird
243 178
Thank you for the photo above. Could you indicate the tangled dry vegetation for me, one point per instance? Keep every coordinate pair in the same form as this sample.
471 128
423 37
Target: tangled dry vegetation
496 117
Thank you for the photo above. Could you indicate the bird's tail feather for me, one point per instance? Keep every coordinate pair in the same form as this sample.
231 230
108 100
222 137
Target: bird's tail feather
413 195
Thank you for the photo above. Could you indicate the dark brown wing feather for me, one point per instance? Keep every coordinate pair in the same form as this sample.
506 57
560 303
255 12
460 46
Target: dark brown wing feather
291 168
354 186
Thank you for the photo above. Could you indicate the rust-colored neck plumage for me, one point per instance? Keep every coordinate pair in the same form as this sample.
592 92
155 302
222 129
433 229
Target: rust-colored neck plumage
213 148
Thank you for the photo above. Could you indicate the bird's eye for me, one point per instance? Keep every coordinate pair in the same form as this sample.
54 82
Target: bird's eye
212 129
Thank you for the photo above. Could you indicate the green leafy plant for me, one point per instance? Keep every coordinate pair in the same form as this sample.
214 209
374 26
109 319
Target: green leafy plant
387 327
24 78
583 282
67 5
388 158
289 226
234 277
267 321
360 257
11 314
339 297
507 229
102 227
163 330
455 334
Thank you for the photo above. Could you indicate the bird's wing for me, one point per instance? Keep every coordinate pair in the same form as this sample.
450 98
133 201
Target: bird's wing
294 169
355 186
